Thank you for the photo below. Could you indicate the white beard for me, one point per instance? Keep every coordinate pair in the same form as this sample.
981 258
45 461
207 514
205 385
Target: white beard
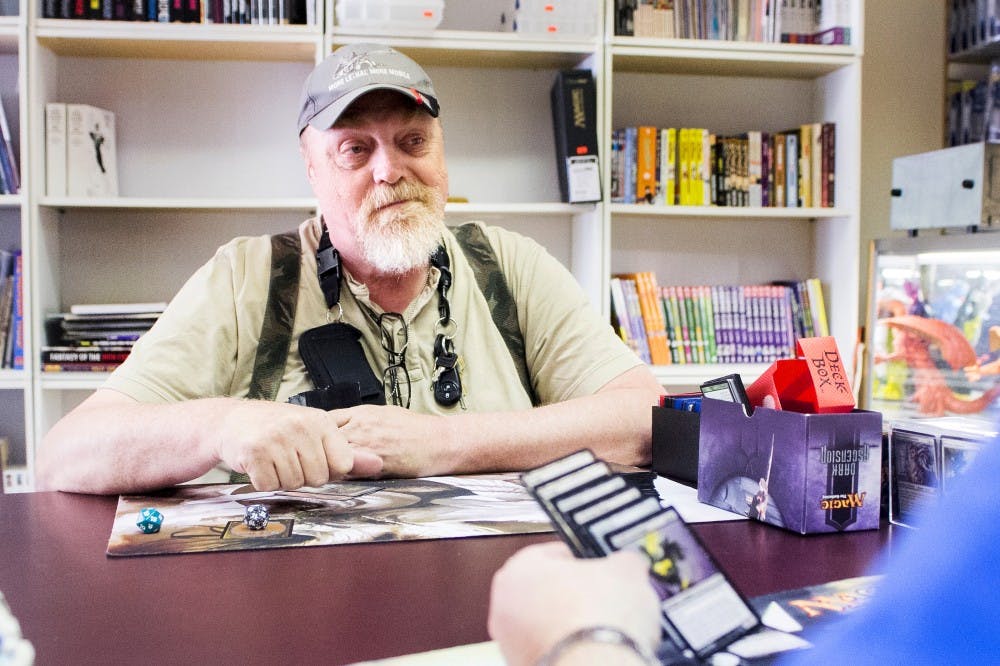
402 238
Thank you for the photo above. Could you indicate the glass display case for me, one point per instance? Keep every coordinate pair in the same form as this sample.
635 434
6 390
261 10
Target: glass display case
934 326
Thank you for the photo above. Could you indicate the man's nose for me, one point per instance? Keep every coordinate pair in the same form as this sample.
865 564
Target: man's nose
388 165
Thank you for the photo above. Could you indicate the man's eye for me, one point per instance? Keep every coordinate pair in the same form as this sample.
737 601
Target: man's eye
415 142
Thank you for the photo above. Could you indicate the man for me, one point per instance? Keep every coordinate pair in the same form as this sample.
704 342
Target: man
374 156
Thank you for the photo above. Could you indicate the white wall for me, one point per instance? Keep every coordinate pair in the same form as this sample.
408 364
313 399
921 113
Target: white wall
902 103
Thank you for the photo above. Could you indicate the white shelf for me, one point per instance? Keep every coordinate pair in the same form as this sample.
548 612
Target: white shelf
11 200
72 381
185 41
498 209
13 379
306 204
459 48
735 212
732 59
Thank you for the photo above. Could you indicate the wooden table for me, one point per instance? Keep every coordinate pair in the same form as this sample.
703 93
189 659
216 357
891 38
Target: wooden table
331 605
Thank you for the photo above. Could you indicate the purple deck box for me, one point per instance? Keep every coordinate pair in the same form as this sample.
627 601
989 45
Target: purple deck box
807 473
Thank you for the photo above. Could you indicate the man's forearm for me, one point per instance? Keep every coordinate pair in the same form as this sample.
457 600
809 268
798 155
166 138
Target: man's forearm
616 424
119 447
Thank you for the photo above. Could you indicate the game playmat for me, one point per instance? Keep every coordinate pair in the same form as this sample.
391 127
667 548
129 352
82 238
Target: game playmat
203 518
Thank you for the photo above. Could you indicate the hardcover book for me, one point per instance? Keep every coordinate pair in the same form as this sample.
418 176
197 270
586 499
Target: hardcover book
91 152
574 120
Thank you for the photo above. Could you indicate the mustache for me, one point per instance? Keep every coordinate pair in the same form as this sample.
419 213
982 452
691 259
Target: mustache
385 195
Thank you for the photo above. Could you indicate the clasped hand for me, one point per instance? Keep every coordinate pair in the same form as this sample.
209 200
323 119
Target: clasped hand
281 446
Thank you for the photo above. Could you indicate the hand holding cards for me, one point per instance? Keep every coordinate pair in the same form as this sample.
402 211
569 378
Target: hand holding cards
597 512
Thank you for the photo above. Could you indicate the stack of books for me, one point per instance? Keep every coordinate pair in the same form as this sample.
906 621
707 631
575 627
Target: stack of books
11 310
10 173
715 324
95 338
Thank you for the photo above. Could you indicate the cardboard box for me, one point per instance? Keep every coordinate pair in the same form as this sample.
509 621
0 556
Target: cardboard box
807 473
925 455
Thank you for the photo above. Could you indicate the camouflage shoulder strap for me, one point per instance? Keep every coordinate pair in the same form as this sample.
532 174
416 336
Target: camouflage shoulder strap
279 316
276 328
493 283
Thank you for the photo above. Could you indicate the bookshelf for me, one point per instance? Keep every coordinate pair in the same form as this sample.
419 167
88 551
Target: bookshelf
732 87
15 385
206 152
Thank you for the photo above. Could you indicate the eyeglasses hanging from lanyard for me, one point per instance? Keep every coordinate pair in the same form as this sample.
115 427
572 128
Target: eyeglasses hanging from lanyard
446 382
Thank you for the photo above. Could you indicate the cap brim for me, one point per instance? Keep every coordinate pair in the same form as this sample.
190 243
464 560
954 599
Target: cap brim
324 119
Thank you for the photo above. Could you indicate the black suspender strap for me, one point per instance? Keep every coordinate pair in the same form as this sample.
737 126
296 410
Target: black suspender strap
491 280
279 316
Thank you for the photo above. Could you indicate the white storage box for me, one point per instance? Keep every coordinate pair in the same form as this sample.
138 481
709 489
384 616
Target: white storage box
556 18
390 14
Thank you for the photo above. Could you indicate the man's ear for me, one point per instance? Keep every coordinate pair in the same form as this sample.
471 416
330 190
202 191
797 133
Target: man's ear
306 158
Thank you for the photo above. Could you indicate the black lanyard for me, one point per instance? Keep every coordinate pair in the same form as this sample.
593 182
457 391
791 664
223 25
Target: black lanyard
446 382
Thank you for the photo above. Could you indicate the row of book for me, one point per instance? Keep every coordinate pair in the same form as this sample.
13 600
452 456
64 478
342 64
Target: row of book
972 24
974 109
694 167
10 174
263 12
11 310
790 21
715 324
95 337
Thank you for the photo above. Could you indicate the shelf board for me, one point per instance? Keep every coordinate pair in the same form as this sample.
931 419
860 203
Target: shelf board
10 29
86 381
467 48
11 200
737 212
540 209
182 41
982 54
13 379
695 373
293 203
152 203
731 59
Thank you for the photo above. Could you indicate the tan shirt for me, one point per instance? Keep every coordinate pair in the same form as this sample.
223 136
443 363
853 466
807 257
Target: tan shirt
204 345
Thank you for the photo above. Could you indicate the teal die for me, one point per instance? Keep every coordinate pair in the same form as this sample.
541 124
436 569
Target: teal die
149 521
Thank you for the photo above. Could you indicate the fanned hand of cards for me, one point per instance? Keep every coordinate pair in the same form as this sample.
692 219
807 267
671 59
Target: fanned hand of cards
597 511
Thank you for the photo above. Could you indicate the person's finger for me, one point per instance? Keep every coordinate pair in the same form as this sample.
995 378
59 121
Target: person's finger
366 464
262 475
288 469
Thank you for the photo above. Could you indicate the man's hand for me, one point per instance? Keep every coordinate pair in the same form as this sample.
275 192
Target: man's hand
283 446
410 444
543 593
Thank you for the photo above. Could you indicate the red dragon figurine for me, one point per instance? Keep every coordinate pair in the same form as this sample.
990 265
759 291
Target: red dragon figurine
913 338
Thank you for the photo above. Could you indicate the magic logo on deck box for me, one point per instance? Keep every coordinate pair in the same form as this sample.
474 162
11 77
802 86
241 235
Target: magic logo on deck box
805 472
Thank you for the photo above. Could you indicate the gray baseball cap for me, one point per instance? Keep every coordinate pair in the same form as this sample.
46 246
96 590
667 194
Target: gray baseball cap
356 69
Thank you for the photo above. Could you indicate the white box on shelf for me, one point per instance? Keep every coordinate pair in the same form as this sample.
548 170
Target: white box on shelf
390 14
91 162
557 18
